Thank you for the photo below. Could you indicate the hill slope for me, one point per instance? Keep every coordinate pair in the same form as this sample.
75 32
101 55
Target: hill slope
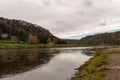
19 30
102 39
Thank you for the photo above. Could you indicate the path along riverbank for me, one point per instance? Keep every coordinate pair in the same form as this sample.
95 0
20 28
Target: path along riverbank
113 66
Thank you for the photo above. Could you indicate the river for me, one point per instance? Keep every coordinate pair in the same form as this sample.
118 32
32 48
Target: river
41 64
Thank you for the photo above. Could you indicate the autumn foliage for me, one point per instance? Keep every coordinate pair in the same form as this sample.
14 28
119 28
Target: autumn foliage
52 40
32 39
49 40
14 39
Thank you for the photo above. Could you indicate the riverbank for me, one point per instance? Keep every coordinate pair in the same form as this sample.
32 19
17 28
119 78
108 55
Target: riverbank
105 65
94 68
27 46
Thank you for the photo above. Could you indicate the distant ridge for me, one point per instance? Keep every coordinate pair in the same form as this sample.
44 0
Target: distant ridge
111 38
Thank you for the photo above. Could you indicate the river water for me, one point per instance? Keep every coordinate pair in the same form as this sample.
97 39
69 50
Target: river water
41 64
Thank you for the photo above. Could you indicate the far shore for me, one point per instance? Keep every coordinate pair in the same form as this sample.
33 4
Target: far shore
29 46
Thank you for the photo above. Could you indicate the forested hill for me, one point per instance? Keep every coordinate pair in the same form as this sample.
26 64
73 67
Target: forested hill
21 31
102 39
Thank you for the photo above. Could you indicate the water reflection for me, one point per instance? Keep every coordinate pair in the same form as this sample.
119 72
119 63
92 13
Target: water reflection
52 64
17 61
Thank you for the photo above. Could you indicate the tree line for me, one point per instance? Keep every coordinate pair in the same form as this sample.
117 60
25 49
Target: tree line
21 31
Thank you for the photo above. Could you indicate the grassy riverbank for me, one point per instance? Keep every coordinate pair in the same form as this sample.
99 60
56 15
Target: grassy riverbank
94 68
25 45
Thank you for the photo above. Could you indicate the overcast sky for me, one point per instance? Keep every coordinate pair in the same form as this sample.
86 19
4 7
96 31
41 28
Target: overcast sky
65 18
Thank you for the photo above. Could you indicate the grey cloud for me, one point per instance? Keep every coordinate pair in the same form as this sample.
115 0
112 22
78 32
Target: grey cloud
46 2
64 17
103 24
59 2
60 21
87 3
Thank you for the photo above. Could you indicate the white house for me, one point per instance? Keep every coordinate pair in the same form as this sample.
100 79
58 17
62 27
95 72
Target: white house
4 35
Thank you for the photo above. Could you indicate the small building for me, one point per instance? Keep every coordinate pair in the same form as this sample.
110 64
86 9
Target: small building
4 36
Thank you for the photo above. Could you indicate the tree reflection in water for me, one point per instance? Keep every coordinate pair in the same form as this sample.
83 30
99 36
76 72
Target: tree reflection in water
19 61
